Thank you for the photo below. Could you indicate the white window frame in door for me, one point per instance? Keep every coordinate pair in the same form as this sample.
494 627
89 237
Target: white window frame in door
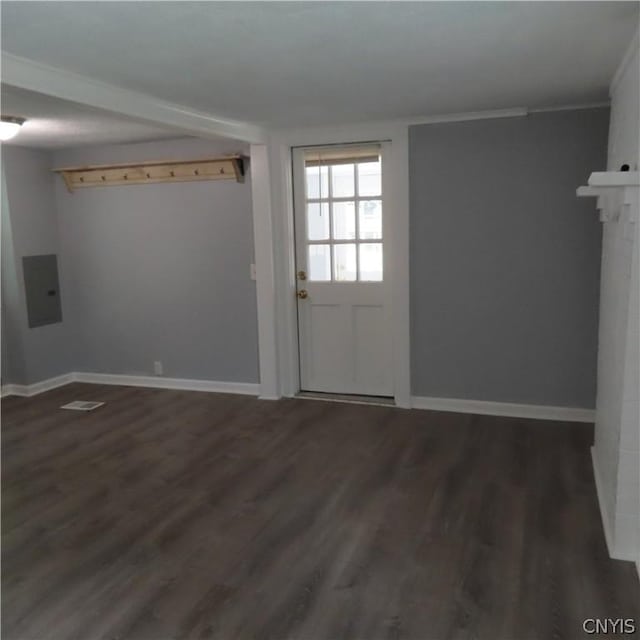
280 367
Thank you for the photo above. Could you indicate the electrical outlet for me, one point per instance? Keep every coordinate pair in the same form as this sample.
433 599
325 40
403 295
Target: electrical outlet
157 368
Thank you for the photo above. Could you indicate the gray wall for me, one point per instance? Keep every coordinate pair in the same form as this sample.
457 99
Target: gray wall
29 227
160 272
505 260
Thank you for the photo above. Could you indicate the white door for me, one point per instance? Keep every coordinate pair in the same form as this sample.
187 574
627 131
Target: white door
343 314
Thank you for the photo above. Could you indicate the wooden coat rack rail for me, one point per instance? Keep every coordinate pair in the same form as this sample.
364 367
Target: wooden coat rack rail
223 168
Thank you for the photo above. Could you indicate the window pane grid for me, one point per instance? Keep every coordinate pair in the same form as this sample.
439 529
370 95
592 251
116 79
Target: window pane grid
346 258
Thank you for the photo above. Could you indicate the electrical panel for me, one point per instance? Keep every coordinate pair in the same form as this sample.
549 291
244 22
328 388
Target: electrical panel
42 289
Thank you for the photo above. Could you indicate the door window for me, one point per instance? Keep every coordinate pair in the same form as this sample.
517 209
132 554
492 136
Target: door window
343 202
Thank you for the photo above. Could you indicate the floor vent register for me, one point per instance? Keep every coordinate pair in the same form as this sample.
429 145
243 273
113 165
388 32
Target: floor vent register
82 405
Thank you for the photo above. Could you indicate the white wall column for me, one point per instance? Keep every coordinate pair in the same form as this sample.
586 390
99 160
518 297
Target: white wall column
265 279
616 452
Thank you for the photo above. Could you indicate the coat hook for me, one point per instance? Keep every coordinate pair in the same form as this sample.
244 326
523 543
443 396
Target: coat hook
173 175
103 178
196 172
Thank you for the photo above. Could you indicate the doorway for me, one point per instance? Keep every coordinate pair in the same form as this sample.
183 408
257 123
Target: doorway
342 283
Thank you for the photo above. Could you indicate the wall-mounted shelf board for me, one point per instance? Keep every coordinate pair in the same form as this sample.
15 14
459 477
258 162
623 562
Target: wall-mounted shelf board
584 192
223 168
617 194
614 179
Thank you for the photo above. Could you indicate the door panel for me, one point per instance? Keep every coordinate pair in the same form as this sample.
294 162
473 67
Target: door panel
326 349
372 366
343 316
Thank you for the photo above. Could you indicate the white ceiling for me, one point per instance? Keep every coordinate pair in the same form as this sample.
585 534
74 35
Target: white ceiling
308 63
53 123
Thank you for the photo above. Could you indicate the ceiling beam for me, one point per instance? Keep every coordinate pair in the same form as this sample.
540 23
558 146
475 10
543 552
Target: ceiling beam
34 76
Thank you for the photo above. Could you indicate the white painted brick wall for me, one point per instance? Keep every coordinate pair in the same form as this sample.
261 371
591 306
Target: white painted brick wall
617 438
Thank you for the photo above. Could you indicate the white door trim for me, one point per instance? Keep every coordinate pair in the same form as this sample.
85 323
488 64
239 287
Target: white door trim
284 305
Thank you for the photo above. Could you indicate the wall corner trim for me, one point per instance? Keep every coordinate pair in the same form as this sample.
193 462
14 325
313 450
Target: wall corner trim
507 409
464 116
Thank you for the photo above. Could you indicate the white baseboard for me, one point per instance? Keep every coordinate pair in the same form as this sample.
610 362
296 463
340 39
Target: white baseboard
243 388
253 389
28 390
614 552
507 409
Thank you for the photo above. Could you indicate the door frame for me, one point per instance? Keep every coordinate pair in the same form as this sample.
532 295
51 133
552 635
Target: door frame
275 254
357 290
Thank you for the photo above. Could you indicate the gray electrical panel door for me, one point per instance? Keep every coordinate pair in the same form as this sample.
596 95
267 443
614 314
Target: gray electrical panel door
42 289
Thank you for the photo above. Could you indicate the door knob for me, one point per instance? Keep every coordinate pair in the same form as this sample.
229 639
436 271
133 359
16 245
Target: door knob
302 294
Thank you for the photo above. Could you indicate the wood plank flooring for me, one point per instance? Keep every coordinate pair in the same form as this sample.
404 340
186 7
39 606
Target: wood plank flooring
174 514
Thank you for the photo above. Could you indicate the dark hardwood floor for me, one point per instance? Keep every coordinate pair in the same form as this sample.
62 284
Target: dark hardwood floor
171 514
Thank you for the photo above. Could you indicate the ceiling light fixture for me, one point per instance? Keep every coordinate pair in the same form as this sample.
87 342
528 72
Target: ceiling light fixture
9 127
